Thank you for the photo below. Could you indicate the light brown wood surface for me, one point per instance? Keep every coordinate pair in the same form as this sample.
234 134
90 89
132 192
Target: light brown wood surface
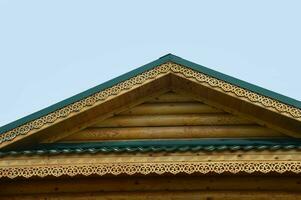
176 132
172 116
173 120
171 108
171 97
235 105
164 187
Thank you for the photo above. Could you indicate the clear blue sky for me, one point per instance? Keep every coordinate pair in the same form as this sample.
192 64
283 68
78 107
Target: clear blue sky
50 50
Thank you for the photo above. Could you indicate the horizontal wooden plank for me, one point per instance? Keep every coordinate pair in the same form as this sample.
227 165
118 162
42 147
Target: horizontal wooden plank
172 97
171 108
165 195
261 114
176 132
172 120
157 183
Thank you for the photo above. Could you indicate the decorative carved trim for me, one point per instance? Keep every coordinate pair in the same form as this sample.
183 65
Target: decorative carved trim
115 90
237 91
233 167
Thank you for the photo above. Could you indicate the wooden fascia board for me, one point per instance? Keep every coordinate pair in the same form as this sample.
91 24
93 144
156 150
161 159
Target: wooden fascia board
252 162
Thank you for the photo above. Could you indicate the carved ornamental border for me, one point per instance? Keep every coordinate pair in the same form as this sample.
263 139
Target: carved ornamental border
165 68
233 167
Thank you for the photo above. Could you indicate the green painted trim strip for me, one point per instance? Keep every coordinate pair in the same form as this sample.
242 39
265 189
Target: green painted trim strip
161 60
145 146
157 143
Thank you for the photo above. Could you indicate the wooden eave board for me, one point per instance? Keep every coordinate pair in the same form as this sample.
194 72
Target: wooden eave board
251 162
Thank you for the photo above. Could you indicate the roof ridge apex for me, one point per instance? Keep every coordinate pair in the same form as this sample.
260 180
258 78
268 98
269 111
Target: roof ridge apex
169 57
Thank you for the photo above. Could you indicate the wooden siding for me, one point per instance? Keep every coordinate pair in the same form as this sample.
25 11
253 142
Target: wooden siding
172 116
164 187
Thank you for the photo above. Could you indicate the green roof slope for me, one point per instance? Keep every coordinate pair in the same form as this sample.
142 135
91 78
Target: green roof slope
161 60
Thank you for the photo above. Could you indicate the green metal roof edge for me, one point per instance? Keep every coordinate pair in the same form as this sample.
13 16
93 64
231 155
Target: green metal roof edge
83 95
145 146
135 72
237 82
173 142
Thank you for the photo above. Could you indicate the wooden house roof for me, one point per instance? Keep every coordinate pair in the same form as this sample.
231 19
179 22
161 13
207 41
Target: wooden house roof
269 99
192 118
275 110
164 59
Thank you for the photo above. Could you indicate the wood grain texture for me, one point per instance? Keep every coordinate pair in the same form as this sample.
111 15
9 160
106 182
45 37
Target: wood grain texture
172 116
172 97
235 105
173 120
176 132
164 195
171 108
151 184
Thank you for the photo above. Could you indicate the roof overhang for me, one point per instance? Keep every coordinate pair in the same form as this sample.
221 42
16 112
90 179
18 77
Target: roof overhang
250 162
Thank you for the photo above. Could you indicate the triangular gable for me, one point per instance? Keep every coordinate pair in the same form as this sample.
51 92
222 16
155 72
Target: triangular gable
167 73
171 116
